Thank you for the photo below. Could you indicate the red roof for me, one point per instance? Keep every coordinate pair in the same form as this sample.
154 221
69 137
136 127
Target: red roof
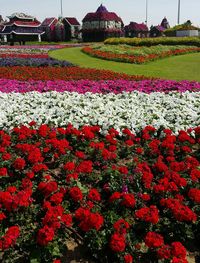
48 21
110 16
160 28
137 27
102 14
22 23
72 21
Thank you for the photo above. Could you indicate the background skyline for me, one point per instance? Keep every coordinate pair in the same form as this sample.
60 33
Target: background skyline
128 10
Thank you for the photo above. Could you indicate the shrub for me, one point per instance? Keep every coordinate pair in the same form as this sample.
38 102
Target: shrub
190 41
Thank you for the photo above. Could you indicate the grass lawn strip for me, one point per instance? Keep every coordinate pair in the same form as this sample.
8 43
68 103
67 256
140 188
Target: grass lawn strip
187 66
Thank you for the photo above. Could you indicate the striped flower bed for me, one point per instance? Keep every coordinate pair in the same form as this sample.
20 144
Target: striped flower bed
137 59
107 159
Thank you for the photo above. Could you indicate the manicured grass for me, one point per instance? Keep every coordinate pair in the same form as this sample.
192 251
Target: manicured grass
177 68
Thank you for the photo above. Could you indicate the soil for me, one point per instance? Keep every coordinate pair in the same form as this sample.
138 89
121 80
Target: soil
76 254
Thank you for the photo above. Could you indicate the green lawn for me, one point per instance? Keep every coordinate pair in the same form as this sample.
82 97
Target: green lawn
178 68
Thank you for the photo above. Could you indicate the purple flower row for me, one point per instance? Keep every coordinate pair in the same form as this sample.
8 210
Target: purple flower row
83 86
34 62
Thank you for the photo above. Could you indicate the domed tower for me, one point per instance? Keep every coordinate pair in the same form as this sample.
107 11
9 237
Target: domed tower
165 23
101 24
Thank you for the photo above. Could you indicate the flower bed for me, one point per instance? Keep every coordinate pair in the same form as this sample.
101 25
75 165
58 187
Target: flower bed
25 56
133 110
62 73
33 62
101 86
190 41
137 55
128 198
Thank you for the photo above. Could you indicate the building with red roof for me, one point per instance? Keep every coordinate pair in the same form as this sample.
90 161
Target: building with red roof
62 29
72 28
158 31
136 30
49 27
101 24
21 27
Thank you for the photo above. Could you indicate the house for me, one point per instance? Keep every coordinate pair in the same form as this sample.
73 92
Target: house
136 30
158 31
21 27
101 24
165 23
72 28
49 27
1 27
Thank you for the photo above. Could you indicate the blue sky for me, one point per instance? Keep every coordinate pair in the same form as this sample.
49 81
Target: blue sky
129 10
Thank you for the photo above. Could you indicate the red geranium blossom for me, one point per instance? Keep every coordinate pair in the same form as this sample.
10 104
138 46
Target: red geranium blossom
117 242
76 194
45 235
154 240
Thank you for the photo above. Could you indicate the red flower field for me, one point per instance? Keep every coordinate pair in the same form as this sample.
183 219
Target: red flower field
62 73
128 197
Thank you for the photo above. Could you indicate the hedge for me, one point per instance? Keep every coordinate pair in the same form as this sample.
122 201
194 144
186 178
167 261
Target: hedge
191 41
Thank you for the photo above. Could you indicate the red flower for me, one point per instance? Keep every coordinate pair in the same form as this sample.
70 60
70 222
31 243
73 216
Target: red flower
76 194
67 220
45 235
94 195
43 130
69 166
48 187
3 171
39 167
82 213
80 154
139 150
19 164
84 167
121 226
70 177
128 258
128 200
148 214
117 243
9 239
145 197
6 156
178 250
154 240
2 216
123 169
30 175
194 194
164 252
57 198
115 196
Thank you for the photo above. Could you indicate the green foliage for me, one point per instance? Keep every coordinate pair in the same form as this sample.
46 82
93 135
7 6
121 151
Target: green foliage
188 41
171 32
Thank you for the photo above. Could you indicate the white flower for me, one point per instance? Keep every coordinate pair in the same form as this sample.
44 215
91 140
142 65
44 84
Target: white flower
134 110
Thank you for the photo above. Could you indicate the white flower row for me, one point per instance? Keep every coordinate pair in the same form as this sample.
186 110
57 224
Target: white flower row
134 110
23 50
